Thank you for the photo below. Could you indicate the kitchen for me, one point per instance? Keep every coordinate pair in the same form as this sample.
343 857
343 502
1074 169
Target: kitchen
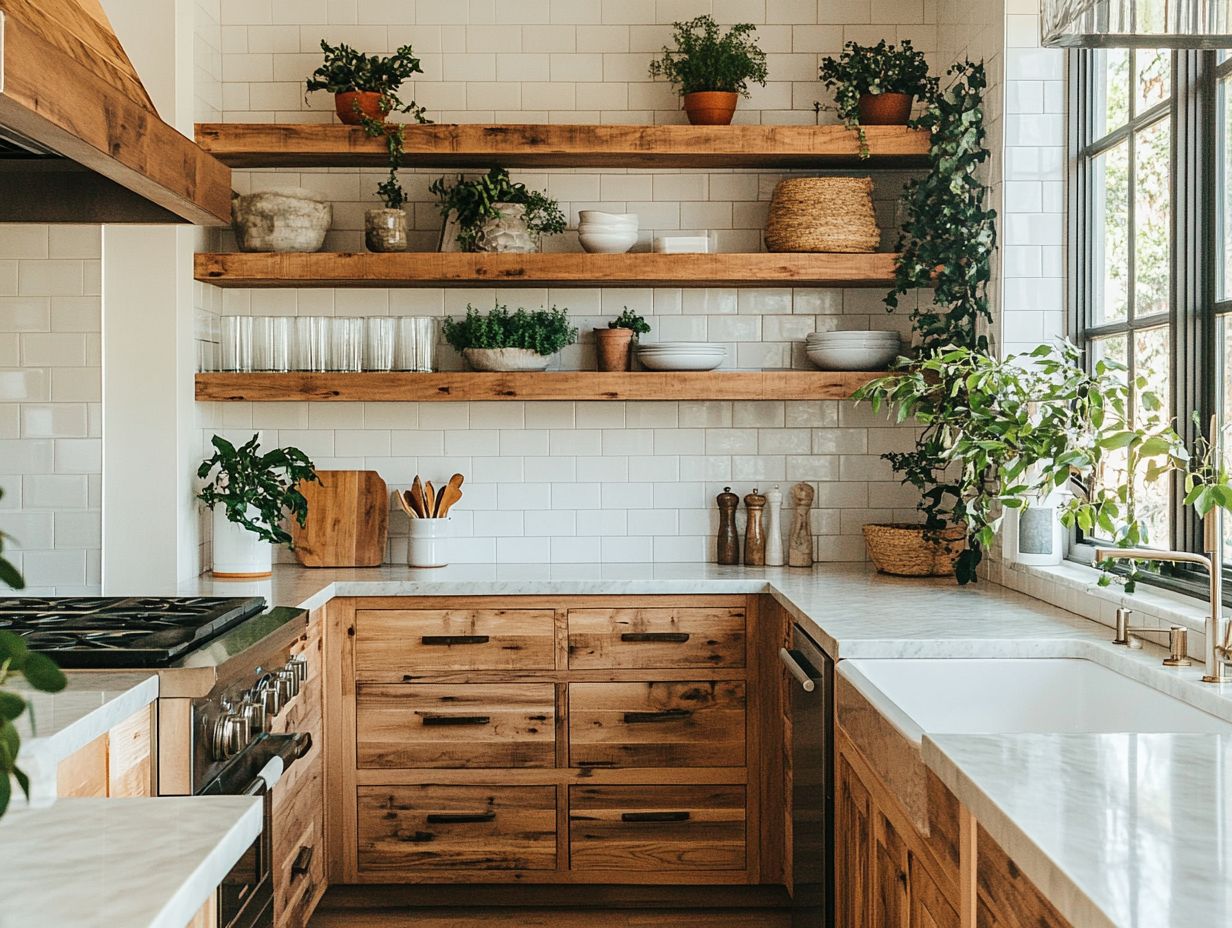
460 509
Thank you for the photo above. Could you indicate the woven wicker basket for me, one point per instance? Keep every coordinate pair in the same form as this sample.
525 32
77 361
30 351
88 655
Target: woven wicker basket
827 214
903 551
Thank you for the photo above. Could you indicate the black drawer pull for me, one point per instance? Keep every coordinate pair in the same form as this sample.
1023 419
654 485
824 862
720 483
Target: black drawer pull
460 818
454 639
303 860
667 715
663 637
654 816
456 719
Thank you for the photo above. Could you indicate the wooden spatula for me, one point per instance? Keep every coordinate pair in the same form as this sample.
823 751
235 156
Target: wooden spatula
404 500
417 498
429 495
450 494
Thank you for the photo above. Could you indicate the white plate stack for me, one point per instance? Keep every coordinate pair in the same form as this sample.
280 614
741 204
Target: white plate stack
607 233
853 351
681 356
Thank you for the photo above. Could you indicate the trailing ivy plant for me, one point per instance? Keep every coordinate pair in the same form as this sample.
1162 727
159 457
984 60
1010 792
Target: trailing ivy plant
628 319
346 69
705 58
880 68
473 202
543 331
242 478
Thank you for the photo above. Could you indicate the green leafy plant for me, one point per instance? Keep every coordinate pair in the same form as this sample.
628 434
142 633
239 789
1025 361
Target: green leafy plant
869 69
628 319
543 331
707 59
9 574
242 478
40 673
346 69
473 202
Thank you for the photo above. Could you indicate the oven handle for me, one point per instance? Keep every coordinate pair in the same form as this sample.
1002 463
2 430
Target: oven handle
288 752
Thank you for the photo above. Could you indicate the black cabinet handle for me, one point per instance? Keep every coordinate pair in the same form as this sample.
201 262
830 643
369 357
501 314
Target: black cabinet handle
456 719
667 715
303 860
460 818
654 816
453 639
663 637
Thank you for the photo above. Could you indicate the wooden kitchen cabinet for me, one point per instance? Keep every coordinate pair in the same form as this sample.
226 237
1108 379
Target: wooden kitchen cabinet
1006 897
549 740
118 764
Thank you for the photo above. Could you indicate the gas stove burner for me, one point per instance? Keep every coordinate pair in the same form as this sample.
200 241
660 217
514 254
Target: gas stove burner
51 603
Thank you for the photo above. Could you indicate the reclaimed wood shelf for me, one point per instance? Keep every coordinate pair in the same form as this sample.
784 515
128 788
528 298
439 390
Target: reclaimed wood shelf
549 385
260 145
436 269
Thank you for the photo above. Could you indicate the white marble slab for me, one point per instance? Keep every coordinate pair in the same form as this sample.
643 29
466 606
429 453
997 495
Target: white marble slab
55 725
1118 831
120 863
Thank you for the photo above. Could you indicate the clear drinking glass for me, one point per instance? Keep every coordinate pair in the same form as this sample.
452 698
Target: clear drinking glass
379 336
237 343
346 344
311 343
415 349
271 343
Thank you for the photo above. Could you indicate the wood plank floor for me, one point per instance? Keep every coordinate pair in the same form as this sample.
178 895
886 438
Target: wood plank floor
550 918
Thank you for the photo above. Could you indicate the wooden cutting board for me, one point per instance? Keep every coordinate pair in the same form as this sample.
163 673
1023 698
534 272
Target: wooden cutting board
348 519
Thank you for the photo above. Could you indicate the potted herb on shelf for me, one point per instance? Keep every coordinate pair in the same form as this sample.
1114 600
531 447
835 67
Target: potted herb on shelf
491 213
877 85
366 86
613 344
249 492
505 341
711 69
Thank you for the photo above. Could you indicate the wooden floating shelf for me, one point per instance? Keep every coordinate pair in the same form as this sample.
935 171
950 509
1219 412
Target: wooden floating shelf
260 145
435 269
550 385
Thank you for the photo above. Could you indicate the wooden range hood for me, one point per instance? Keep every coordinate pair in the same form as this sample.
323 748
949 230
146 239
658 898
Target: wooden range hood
80 139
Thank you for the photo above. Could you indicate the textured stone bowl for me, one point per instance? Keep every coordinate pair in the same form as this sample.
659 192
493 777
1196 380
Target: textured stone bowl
294 219
506 359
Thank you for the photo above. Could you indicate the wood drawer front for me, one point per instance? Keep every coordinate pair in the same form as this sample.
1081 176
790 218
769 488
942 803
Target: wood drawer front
394 645
686 724
657 828
654 639
468 725
456 828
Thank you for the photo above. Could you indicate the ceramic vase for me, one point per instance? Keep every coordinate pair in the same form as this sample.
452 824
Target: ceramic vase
710 107
427 544
238 553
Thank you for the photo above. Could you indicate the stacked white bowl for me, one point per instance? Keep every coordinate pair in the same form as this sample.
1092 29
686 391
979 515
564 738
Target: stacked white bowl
681 356
607 233
853 351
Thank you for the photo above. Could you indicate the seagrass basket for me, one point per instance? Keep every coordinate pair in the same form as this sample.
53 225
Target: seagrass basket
823 214
903 550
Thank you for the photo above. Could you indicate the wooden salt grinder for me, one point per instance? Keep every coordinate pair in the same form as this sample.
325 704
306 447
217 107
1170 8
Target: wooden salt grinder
800 543
728 539
754 531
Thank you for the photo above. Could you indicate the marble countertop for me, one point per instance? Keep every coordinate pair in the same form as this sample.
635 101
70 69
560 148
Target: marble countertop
55 725
106 863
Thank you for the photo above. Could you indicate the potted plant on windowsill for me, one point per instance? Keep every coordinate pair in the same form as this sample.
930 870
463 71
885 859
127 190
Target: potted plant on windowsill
877 85
505 341
613 344
711 69
249 493
491 213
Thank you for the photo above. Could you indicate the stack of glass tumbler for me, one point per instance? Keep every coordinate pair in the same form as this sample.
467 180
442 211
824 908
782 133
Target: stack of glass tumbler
327 343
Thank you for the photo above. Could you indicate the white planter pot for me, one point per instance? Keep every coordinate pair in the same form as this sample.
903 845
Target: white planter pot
428 543
1034 536
238 553
506 359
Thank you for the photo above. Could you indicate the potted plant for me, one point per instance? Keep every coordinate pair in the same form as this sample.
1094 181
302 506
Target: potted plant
613 344
365 86
385 227
877 85
505 341
710 69
249 492
491 213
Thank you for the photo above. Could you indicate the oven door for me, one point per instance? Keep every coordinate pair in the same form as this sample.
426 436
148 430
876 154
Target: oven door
246 894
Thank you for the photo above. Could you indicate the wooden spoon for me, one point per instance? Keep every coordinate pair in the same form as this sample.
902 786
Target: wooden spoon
417 499
450 494
429 500
404 500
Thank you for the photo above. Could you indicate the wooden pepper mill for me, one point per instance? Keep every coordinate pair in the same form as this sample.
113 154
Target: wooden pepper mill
754 531
729 538
800 543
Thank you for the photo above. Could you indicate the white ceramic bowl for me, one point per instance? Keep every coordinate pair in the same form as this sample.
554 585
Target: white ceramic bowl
607 243
599 217
681 360
852 359
854 337
586 229
705 346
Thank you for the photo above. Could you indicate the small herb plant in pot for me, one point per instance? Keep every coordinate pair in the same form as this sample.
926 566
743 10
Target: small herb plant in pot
505 341
365 86
491 213
249 493
711 69
613 344
876 85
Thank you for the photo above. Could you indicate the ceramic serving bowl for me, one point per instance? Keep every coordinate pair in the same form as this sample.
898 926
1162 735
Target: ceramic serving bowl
859 358
607 243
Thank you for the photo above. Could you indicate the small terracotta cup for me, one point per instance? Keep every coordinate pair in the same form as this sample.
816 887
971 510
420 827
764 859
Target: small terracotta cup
612 348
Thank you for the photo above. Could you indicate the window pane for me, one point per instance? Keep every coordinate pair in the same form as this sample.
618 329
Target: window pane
1152 218
1111 70
1224 142
1224 397
1112 471
1153 77
1153 361
1110 234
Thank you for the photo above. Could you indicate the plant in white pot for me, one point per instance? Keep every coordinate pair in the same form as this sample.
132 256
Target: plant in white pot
249 493
492 213
505 341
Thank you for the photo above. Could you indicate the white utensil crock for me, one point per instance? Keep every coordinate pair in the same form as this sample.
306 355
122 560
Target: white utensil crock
238 553
427 543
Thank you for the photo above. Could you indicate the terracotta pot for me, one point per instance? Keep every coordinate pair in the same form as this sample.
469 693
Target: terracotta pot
612 348
885 109
369 105
711 107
